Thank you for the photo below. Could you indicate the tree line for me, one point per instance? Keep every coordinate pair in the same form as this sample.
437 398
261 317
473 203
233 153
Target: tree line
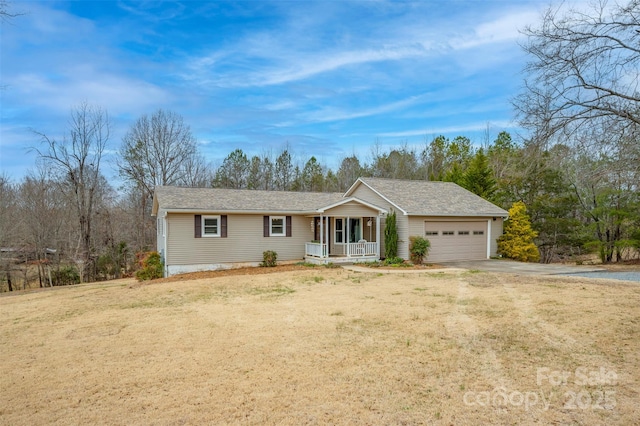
577 170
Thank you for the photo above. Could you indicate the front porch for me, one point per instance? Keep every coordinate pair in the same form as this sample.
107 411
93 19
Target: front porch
340 238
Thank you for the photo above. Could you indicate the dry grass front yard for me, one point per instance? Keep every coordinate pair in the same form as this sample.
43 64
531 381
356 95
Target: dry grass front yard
324 346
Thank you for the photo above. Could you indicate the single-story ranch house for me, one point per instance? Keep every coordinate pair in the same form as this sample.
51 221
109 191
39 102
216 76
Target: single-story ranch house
213 228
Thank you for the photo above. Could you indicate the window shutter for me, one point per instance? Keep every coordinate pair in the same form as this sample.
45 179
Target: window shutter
266 226
223 226
288 226
198 226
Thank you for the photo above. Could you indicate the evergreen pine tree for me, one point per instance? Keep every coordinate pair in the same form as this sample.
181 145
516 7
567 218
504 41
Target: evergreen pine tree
390 236
479 177
517 240
455 174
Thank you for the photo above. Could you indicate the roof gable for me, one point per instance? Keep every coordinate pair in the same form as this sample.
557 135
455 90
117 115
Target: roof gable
429 198
345 200
361 181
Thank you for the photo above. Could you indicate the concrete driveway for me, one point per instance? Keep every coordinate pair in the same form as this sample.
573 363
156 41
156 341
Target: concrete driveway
520 268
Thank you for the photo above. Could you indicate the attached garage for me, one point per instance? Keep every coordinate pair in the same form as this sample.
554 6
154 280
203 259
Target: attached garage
457 240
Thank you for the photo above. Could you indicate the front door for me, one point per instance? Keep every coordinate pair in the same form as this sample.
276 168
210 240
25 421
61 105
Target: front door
355 230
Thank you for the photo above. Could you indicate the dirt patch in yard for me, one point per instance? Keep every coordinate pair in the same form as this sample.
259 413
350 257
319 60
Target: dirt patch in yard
247 270
252 270
324 346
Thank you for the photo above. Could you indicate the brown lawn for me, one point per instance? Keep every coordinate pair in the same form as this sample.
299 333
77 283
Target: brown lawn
324 346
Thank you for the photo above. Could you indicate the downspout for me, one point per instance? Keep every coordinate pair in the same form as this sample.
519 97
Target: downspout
165 231
489 239
378 235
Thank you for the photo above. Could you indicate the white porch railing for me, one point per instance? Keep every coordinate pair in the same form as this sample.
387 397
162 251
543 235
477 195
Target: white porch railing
315 249
363 248
355 249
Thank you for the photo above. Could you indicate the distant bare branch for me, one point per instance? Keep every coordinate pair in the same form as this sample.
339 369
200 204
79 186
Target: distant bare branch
585 67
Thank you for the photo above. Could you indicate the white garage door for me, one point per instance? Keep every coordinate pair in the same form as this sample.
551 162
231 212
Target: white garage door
456 240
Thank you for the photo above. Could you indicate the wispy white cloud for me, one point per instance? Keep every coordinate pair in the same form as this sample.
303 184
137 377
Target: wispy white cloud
335 114
275 57
293 67
117 93
505 28
311 66
472 127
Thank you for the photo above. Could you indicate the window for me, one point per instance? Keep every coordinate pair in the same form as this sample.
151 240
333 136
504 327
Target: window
277 226
463 232
210 226
339 231
430 233
478 232
448 232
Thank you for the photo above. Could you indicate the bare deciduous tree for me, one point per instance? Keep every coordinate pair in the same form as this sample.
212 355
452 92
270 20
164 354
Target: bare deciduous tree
5 13
45 216
584 68
9 229
350 170
156 150
76 162
159 150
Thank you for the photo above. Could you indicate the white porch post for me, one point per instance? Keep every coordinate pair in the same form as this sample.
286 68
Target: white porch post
378 235
321 235
327 231
348 228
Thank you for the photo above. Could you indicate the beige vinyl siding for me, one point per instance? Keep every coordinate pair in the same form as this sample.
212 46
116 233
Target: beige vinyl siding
369 233
496 230
351 209
337 249
365 193
402 224
244 243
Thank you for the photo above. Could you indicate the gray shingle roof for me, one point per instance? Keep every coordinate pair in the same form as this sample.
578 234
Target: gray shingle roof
241 200
427 198
420 198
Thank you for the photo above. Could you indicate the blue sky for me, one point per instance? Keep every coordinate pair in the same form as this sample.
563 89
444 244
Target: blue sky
328 78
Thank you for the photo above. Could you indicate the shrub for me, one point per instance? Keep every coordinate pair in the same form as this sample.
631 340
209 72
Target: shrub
418 249
151 266
395 260
65 275
517 240
390 236
269 258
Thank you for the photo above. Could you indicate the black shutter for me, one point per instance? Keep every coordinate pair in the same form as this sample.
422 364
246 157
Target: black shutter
198 226
288 226
266 226
223 226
